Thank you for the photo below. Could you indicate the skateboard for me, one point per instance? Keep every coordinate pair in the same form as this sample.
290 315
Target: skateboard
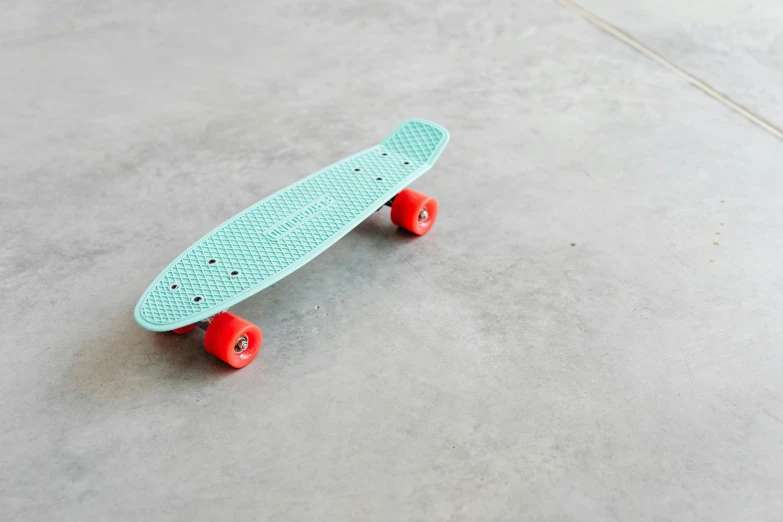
284 231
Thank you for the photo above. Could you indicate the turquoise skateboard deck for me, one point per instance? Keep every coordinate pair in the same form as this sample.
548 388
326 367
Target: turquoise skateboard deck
282 232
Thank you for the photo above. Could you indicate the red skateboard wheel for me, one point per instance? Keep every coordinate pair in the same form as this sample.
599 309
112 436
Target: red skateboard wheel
414 211
233 340
184 329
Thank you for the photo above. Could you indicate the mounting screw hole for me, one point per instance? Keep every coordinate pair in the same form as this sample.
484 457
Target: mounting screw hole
174 286
384 154
212 261
356 170
406 162
197 299
378 179
234 272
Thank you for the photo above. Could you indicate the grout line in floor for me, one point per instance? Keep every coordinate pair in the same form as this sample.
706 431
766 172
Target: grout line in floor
693 80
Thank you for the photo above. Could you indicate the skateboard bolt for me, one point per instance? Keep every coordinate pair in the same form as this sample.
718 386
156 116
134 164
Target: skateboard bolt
423 215
241 345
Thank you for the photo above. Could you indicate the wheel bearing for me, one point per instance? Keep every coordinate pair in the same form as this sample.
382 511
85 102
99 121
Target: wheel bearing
242 344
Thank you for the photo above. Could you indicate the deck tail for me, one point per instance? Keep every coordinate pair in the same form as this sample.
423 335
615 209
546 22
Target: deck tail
420 140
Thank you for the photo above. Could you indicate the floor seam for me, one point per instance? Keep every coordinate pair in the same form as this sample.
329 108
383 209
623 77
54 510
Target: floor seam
690 78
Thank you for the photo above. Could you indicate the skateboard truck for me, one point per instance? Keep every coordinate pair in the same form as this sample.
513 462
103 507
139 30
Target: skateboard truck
205 323
387 204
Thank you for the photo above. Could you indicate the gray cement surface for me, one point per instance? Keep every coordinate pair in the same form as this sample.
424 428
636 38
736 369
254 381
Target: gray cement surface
592 330
734 45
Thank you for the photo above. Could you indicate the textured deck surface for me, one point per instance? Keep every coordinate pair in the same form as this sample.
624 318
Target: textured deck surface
279 234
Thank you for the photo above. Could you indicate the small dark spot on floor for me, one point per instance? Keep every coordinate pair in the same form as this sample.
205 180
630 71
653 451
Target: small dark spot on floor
717 233
712 261
573 244
723 201
715 243
721 224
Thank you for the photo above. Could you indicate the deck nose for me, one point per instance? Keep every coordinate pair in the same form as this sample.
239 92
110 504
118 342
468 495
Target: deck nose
420 140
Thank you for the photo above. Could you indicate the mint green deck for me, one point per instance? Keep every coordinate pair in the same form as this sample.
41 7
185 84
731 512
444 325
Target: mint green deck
266 242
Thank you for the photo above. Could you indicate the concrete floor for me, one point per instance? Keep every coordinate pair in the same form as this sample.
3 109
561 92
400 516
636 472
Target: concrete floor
590 332
736 46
